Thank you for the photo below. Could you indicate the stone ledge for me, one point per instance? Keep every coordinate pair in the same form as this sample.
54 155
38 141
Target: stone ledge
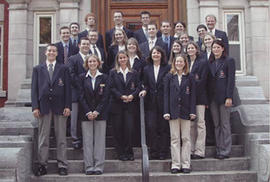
264 163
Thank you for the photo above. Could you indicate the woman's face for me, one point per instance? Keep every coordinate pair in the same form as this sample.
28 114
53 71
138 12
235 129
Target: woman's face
93 64
176 48
217 50
119 36
156 55
122 60
179 63
131 47
179 28
208 40
191 50
184 39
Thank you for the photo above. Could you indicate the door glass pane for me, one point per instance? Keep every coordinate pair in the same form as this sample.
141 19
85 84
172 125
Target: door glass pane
45 30
233 27
139 1
235 53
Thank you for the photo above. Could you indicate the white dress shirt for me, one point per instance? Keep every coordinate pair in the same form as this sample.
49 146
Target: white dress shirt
152 42
124 72
83 56
93 78
156 70
48 63
92 50
132 60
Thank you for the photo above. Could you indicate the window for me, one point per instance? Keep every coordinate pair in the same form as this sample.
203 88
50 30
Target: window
234 26
44 33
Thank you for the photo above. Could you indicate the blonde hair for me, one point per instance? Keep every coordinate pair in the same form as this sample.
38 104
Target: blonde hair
117 65
85 65
203 44
186 67
114 42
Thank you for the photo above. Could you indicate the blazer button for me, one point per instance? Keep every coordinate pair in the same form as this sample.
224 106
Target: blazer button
179 99
51 89
50 98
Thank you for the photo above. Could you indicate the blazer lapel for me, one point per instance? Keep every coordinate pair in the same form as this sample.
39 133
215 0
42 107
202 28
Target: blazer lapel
220 65
129 75
45 72
55 72
97 82
121 77
152 74
176 82
160 73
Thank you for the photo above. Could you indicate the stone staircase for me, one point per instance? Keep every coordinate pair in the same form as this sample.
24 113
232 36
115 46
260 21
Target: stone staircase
250 128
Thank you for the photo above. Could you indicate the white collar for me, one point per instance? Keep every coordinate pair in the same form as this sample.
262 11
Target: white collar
65 44
119 27
123 72
48 63
213 31
89 74
82 55
154 40
136 56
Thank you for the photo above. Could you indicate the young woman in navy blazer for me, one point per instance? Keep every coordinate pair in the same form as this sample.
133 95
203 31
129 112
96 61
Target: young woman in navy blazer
124 88
221 86
199 69
179 109
158 132
93 114
119 40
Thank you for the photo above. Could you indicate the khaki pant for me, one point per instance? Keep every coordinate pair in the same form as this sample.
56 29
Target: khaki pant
198 132
44 129
180 156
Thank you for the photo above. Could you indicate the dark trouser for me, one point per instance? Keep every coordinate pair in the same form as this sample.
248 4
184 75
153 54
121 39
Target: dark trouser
158 132
210 128
123 125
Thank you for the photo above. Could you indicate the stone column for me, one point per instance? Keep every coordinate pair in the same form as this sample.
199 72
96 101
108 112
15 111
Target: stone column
68 11
260 41
19 50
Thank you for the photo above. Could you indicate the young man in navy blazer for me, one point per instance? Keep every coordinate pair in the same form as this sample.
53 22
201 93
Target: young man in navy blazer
118 21
166 36
65 48
74 28
141 35
211 23
51 101
75 64
91 24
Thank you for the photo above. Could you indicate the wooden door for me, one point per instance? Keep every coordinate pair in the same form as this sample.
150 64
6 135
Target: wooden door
172 10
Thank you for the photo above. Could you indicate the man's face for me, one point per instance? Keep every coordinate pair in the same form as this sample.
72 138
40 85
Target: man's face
91 21
210 22
65 35
166 28
145 19
93 37
201 32
51 53
152 31
84 46
74 30
118 18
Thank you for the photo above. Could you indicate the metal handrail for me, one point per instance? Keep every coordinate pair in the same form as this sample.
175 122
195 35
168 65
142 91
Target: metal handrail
145 158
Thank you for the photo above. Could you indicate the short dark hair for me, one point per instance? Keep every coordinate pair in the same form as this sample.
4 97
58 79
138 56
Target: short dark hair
63 28
74 23
163 60
201 26
224 53
165 21
181 22
145 12
83 38
152 23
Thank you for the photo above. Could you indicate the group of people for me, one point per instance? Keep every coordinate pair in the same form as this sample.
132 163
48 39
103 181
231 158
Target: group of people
92 82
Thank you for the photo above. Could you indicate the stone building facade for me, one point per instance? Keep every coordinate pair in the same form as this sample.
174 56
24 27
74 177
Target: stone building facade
21 50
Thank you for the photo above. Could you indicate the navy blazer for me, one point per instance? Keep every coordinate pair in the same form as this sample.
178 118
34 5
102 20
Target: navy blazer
138 65
93 99
119 87
179 101
144 47
221 79
169 47
51 95
112 52
103 57
154 89
75 64
99 42
109 34
223 36
60 49
200 72
140 36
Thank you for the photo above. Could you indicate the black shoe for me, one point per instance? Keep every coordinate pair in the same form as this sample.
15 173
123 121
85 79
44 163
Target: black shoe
175 171
195 156
123 158
97 172
62 171
77 144
41 170
131 158
89 172
186 170
221 157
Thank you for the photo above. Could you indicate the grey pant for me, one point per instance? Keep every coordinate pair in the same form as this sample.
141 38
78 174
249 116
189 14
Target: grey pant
74 120
221 119
44 129
93 133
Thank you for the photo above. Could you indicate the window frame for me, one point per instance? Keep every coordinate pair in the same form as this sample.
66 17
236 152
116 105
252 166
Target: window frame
36 38
2 55
241 41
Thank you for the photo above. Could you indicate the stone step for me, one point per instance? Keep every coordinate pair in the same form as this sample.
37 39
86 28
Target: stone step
246 81
7 175
16 128
251 95
206 176
14 141
110 141
72 154
116 166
